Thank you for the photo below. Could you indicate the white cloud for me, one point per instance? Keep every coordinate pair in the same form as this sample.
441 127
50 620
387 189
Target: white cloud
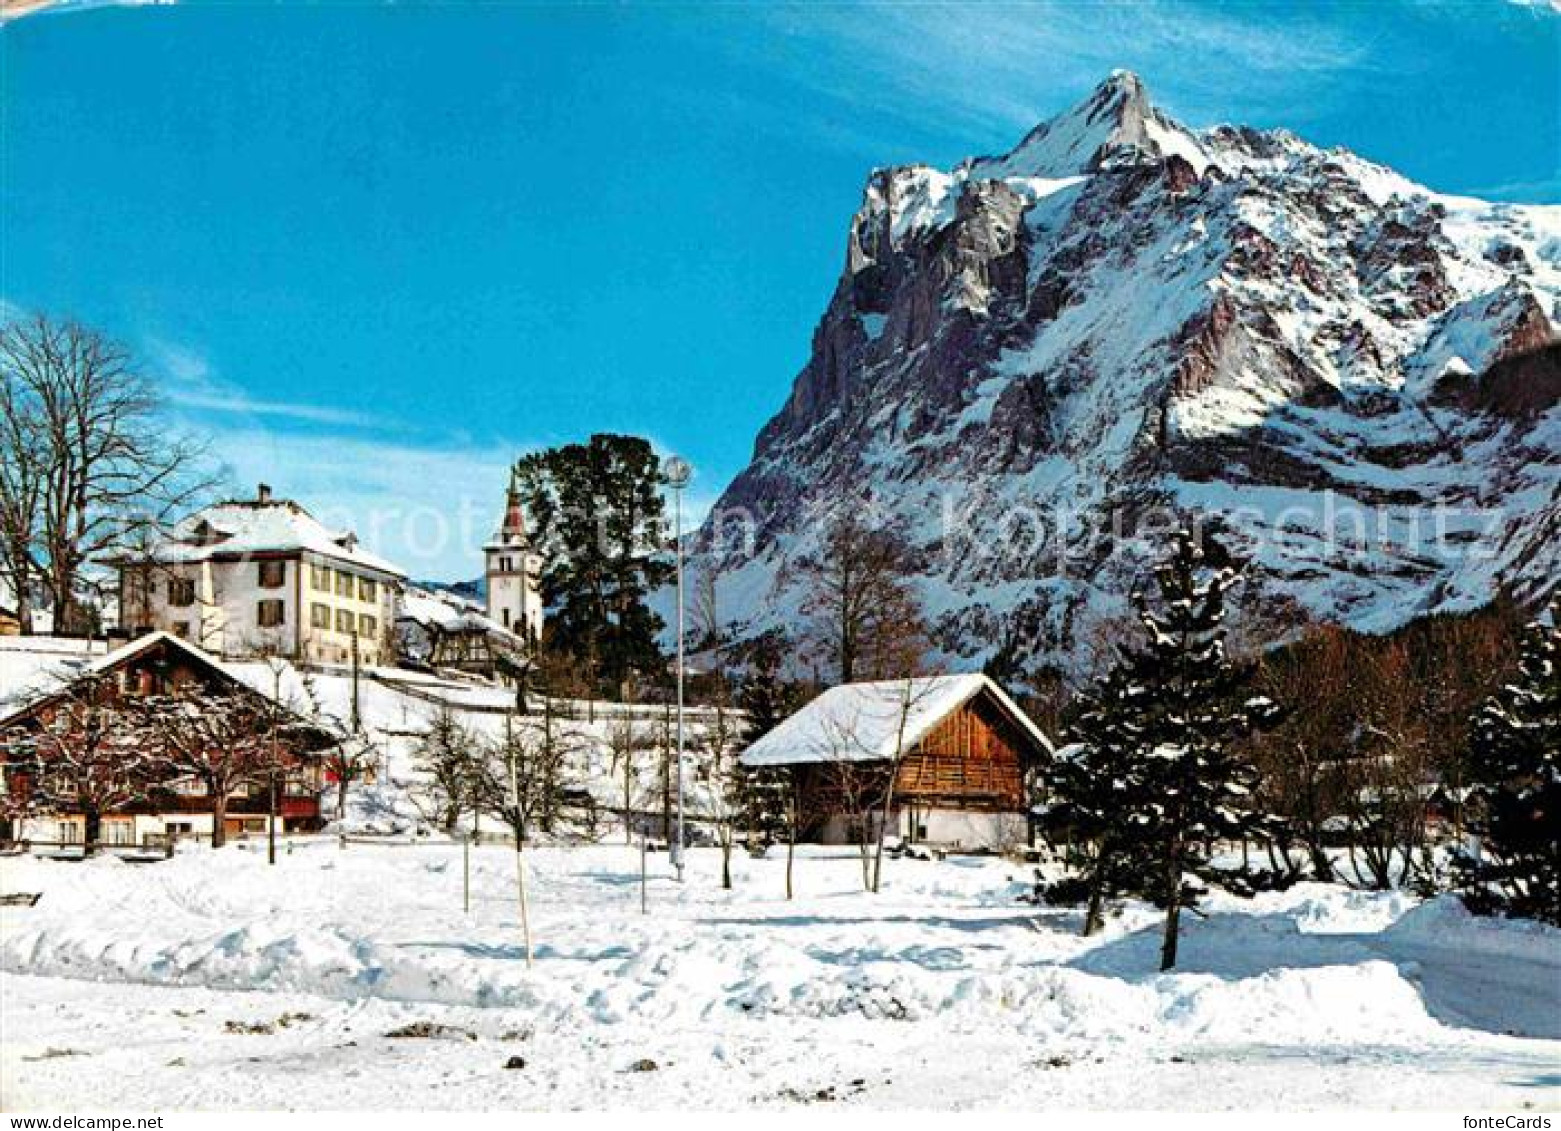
425 501
190 381
315 414
990 71
11 10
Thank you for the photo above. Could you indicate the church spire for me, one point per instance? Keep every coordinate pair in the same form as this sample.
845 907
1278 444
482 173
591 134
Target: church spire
513 529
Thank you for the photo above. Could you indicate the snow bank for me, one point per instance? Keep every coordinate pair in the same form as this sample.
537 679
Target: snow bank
944 944
754 976
1445 923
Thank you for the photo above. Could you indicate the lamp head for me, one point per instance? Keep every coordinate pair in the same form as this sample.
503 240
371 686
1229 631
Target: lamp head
677 472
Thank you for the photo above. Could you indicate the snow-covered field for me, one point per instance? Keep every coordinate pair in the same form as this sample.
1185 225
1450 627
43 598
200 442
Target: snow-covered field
215 981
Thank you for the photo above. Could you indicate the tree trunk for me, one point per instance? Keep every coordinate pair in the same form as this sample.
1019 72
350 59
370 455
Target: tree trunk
520 895
791 853
1094 917
341 795
1173 911
92 831
219 818
1322 867
24 606
883 829
726 866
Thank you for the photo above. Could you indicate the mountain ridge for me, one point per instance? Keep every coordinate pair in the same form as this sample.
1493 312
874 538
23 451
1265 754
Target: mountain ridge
1123 319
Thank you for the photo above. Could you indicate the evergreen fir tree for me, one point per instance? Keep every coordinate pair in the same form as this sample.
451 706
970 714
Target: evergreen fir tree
1187 708
1514 775
600 525
1097 796
764 792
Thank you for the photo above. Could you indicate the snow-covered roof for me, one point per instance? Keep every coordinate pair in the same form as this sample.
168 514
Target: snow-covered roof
450 613
33 666
862 722
437 610
264 526
111 660
47 681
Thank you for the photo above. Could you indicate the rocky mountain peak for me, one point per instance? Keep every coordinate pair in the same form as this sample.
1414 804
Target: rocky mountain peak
1031 362
1115 127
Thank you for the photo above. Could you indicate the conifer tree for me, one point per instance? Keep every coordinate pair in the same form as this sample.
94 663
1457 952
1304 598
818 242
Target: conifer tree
763 792
1514 775
1098 794
600 525
1187 706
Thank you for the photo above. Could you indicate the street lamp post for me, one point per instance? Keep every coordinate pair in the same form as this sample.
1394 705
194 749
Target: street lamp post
678 473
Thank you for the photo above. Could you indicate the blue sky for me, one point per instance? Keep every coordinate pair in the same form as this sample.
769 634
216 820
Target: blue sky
376 251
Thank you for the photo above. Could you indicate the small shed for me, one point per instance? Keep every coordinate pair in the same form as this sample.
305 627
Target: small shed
954 751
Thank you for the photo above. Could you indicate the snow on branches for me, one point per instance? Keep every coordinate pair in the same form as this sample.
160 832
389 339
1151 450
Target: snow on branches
1159 778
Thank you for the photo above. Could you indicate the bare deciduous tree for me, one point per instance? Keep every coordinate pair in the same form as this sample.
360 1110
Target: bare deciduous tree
863 616
909 693
497 775
22 467
89 756
97 462
854 780
221 740
348 761
1303 759
1388 778
444 755
720 742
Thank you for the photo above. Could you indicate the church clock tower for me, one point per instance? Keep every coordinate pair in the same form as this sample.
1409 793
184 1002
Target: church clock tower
513 571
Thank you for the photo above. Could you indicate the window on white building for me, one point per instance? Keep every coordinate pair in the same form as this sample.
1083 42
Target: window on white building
273 575
181 592
271 613
367 626
368 590
319 615
344 621
344 583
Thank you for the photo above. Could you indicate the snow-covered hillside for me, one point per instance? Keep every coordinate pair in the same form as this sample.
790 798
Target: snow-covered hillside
353 978
1034 363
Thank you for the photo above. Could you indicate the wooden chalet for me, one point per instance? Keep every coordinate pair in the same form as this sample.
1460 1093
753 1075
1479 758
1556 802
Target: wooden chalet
447 635
163 665
958 748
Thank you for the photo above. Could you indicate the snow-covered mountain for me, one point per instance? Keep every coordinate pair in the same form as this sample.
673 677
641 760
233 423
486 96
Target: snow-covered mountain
1033 363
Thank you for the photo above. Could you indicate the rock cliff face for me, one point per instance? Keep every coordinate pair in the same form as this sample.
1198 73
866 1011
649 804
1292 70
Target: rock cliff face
1034 363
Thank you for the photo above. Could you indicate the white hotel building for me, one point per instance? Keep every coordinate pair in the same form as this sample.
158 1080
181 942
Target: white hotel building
262 576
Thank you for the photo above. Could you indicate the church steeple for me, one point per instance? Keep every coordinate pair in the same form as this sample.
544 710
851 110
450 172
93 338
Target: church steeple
512 530
513 570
